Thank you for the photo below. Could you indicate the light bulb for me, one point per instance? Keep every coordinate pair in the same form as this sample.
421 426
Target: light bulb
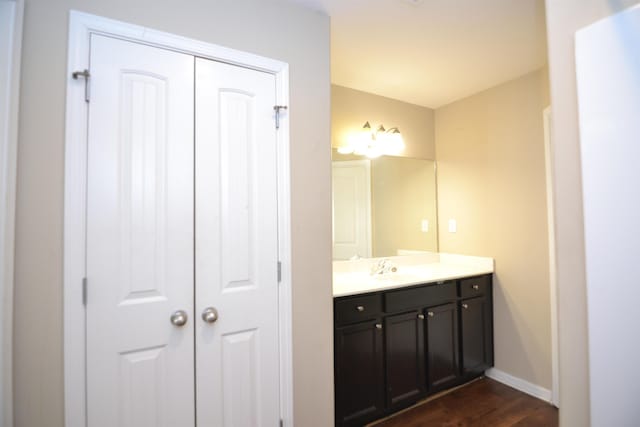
345 149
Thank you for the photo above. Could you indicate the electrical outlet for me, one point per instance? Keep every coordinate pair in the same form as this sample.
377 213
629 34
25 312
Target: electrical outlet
424 226
453 226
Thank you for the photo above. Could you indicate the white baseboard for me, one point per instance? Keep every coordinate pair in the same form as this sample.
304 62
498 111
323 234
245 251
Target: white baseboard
519 384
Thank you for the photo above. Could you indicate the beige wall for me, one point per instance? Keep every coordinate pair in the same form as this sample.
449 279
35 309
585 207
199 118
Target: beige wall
564 18
491 179
403 193
271 28
351 108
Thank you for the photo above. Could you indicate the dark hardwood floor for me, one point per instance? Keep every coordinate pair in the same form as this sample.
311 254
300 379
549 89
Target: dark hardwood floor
484 403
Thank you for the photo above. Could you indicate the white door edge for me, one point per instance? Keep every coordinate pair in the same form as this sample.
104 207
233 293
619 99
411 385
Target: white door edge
11 18
553 286
81 26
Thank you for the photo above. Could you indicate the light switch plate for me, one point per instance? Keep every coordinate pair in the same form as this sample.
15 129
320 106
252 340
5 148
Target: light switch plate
425 225
453 226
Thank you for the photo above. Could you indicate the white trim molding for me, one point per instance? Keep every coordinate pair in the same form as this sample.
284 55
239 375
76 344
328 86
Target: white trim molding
519 384
81 26
11 18
553 282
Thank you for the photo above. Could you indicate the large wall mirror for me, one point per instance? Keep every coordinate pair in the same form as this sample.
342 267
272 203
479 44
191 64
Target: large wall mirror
383 207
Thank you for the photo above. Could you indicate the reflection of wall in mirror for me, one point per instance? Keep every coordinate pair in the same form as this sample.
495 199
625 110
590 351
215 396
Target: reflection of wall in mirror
402 202
403 196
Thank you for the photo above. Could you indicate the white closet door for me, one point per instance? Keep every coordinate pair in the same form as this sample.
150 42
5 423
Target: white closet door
237 357
140 256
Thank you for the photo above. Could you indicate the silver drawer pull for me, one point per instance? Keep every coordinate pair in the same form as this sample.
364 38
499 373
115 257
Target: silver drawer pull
465 306
476 287
430 314
378 325
360 308
421 316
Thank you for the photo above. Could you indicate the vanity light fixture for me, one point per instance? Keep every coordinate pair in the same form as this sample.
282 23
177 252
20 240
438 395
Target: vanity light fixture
374 144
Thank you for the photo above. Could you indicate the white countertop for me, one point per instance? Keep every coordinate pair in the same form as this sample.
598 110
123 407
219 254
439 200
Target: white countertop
354 277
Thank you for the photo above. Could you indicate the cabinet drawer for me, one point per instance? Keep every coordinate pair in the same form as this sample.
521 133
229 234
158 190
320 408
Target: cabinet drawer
357 309
421 296
474 286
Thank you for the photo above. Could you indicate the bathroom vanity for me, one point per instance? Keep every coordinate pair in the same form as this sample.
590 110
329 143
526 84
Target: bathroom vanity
403 335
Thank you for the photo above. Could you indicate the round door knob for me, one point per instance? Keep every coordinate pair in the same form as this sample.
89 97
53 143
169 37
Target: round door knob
465 306
476 287
179 318
360 308
378 325
210 315
430 314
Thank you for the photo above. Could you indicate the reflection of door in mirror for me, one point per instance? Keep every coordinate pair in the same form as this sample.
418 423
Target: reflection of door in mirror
351 209
400 206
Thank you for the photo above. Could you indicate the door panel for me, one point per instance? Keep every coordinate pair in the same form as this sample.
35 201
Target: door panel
404 345
359 373
237 357
238 179
442 346
240 385
475 321
140 369
351 208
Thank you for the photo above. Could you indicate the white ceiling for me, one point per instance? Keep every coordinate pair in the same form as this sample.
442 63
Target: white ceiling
436 52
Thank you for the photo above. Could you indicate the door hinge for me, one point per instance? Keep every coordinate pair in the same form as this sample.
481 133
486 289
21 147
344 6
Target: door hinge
86 75
279 271
84 291
277 109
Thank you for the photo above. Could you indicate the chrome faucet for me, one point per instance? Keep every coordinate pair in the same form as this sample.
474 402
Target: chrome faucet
383 266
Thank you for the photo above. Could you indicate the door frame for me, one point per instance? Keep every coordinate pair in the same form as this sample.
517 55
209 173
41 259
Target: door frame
553 283
81 26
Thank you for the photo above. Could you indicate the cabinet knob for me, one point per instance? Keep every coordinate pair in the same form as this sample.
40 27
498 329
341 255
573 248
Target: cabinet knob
430 313
421 316
378 325
476 287
360 308
465 306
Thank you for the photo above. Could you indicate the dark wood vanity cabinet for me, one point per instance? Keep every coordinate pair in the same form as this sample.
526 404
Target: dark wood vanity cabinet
443 356
404 350
393 348
359 373
476 316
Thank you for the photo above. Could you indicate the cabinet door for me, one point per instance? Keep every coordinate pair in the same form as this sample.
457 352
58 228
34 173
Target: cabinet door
404 346
476 336
442 346
359 373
